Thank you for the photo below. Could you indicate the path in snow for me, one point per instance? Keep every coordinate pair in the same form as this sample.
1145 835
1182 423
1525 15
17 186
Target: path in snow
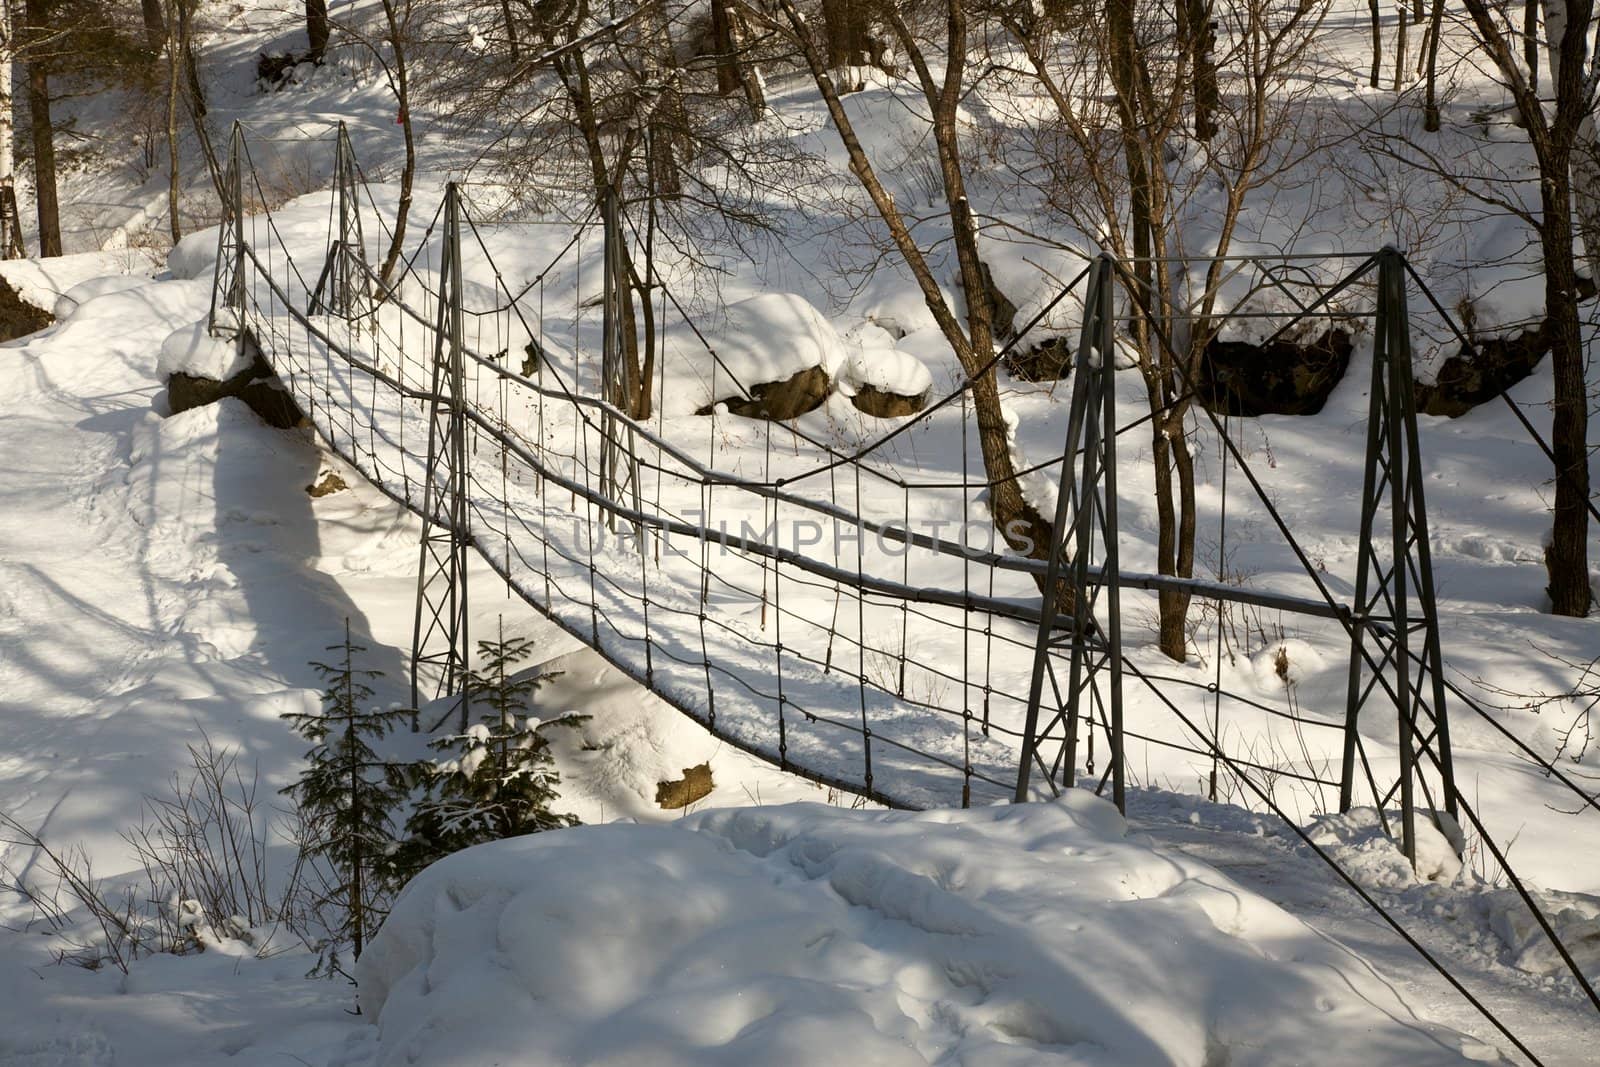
1550 1015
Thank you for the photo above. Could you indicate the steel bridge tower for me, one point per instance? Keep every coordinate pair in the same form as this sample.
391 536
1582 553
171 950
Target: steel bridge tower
439 640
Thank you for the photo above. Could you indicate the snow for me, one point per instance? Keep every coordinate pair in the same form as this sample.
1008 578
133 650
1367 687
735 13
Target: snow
762 339
802 934
160 577
192 350
873 360
45 282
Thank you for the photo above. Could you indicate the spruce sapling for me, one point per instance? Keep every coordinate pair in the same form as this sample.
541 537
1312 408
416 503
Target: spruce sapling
347 794
498 778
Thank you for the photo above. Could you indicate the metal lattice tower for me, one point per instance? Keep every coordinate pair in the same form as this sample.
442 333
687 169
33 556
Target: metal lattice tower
227 287
1085 519
341 285
619 460
1395 658
439 634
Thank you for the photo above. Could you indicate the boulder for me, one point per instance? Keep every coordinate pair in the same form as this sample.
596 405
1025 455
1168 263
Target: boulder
883 404
18 318
1481 372
881 380
1047 361
695 784
257 385
329 484
803 391
1278 378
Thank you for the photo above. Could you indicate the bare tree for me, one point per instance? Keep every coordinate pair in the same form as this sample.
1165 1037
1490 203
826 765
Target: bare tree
317 29
42 127
939 70
390 47
623 110
1118 162
10 224
1564 149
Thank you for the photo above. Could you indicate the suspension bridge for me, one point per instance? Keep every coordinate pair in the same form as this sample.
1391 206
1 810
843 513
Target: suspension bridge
814 611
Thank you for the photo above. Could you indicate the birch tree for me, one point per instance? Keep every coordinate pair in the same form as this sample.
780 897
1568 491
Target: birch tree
10 225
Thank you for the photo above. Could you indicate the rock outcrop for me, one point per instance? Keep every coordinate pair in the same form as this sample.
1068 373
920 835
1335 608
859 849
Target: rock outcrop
257 385
803 391
1278 378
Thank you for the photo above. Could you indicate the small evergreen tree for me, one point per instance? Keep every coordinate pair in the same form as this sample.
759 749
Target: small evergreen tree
498 778
347 796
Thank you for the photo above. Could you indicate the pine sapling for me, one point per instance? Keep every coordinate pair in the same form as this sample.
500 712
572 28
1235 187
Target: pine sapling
347 795
497 779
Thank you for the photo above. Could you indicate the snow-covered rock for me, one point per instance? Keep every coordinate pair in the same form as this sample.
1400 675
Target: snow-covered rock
85 291
766 340
881 379
193 351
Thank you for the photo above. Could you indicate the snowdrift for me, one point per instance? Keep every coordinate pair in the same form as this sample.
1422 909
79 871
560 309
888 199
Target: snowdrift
805 934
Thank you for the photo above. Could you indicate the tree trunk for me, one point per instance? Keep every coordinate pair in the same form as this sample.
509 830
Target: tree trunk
155 25
574 73
511 29
1399 47
1175 501
845 27
197 96
1530 41
1554 140
1202 43
749 77
1430 106
1377 43
402 92
174 78
317 29
1566 559
44 147
1018 522
10 237
722 42
1569 180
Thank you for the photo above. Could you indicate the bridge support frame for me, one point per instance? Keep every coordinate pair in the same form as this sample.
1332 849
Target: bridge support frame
342 283
1085 525
227 282
1395 656
439 631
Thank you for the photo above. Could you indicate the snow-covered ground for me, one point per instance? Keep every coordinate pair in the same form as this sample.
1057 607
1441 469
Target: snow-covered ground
164 578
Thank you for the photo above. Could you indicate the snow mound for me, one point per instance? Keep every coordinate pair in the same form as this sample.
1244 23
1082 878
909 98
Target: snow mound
805 934
767 338
80 294
195 255
1574 916
192 350
41 282
875 361
1372 857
